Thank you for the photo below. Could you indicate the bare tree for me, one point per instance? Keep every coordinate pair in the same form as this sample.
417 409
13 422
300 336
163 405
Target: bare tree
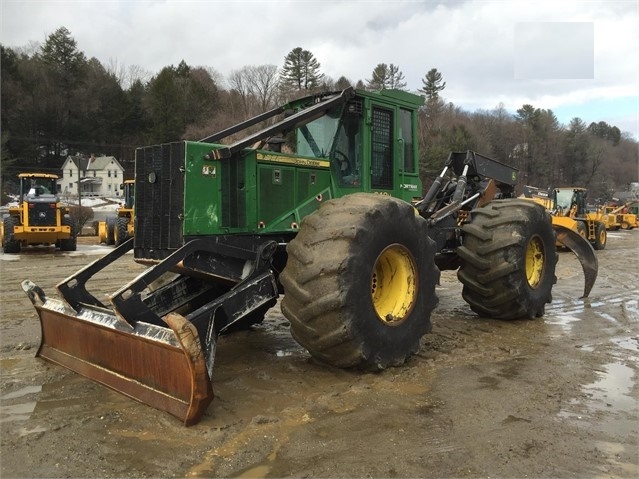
256 86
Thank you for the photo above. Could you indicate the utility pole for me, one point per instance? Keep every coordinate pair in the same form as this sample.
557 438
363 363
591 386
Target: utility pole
79 212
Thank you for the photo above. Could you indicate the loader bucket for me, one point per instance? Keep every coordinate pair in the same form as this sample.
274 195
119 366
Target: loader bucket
162 367
584 251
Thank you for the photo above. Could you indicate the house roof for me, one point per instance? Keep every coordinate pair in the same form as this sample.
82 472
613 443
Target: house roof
94 163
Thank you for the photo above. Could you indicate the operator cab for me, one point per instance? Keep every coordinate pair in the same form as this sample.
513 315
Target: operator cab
38 188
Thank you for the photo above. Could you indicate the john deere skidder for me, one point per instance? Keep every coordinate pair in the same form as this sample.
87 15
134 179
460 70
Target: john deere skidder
323 206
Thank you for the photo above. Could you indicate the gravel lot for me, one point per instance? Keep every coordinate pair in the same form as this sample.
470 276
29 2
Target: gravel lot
555 397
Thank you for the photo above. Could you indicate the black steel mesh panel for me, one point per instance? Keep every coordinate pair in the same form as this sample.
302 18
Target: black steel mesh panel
159 199
233 193
382 149
41 214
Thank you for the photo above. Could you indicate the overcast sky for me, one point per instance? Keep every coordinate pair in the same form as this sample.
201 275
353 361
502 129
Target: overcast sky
579 59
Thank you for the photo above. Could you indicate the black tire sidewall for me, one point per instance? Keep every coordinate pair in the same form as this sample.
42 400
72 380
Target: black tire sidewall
600 230
494 273
10 244
121 233
360 315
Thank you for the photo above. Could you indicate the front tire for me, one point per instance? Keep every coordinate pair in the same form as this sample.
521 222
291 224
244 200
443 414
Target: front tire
360 282
508 260
601 237
121 230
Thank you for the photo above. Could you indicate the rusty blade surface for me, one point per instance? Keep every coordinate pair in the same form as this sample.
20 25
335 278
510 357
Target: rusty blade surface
584 251
161 367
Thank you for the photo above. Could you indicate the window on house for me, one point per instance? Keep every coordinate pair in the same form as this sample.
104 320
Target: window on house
109 173
70 185
70 172
94 172
115 173
109 187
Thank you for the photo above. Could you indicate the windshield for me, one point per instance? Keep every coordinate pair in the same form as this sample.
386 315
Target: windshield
315 138
564 199
38 186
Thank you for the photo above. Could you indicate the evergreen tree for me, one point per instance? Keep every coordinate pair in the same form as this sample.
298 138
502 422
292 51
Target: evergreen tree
301 70
432 84
386 77
61 55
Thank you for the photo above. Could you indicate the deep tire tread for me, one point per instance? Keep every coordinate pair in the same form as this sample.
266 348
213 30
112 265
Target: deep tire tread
325 268
493 262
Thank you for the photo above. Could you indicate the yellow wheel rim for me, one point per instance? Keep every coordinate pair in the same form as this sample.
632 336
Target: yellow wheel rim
394 284
602 236
535 256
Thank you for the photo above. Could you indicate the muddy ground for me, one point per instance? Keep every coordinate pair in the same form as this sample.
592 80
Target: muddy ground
554 397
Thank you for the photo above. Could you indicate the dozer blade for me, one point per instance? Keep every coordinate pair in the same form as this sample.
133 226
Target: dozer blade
157 344
584 251
162 367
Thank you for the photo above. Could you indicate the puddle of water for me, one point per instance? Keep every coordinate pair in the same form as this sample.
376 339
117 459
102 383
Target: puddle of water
609 395
25 432
631 344
20 411
8 363
615 451
17 412
21 392
564 321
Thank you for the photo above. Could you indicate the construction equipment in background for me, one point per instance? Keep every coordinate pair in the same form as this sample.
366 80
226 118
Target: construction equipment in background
567 207
39 218
115 230
620 217
323 205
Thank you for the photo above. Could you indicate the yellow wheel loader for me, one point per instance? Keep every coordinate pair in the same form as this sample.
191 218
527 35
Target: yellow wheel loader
115 230
620 217
322 205
567 207
39 218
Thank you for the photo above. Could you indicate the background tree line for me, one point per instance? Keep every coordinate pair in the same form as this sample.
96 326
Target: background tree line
56 102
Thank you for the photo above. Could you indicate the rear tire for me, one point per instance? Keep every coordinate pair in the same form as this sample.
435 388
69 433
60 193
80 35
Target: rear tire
10 245
110 230
601 237
70 244
360 282
508 260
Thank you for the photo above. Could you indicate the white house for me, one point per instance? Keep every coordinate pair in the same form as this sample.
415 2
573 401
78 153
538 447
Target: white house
98 176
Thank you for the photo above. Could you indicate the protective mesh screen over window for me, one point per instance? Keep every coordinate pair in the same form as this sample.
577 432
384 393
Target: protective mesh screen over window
382 149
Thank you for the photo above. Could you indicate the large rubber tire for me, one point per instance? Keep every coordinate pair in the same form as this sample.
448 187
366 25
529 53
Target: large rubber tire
359 283
508 260
9 245
601 237
121 232
70 244
110 226
582 229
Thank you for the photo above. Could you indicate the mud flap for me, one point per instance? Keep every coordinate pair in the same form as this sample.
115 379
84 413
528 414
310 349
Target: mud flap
584 252
162 367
